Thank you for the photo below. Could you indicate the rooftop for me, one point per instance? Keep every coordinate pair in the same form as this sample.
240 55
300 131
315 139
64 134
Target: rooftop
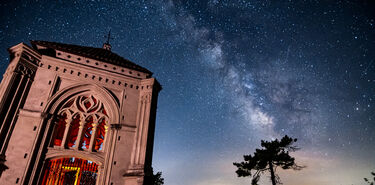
90 52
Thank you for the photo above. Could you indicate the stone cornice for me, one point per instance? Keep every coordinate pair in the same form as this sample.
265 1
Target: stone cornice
24 47
32 113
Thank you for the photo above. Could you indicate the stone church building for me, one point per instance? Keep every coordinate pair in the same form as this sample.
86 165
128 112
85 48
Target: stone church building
74 115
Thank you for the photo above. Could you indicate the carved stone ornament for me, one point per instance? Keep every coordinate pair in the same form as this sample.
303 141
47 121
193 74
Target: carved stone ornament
85 106
146 98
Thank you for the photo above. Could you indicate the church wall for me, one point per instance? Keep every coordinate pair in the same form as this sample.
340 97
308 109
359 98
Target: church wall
16 147
40 90
127 96
129 107
121 155
20 147
55 74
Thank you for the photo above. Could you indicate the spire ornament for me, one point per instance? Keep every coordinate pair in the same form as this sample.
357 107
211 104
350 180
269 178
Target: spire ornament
107 45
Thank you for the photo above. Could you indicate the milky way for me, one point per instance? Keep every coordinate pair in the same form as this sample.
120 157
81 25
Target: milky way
233 73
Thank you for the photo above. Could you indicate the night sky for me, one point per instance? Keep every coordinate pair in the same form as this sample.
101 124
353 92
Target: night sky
233 73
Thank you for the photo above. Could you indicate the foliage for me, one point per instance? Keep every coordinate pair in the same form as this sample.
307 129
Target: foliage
273 154
157 179
369 181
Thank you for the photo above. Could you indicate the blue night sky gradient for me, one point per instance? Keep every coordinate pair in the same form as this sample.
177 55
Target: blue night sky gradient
233 73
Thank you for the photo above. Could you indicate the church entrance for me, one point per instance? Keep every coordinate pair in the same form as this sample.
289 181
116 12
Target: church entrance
70 171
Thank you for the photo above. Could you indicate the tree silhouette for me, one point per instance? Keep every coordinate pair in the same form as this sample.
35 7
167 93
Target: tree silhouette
373 181
272 155
157 179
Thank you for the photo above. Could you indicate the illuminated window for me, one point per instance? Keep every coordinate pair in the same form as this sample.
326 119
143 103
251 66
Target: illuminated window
81 123
70 171
100 133
60 128
73 131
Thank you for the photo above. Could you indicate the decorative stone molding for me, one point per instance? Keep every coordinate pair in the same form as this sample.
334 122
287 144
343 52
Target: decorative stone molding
28 57
86 107
146 98
54 153
31 113
116 126
132 84
101 93
24 51
99 64
24 70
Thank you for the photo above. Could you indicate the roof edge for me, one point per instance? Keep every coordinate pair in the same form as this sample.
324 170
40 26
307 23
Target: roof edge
91 52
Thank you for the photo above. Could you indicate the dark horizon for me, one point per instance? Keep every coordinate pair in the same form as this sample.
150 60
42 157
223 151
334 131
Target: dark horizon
234 73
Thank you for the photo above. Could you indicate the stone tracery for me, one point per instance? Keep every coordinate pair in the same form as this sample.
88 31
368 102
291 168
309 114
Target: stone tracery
81 123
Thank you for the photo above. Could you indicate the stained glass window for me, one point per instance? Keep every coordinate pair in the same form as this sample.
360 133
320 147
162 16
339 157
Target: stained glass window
70 171
100 133
60 129
81 118
73 131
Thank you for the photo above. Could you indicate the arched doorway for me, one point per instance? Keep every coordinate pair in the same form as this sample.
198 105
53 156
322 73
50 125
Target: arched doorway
70 171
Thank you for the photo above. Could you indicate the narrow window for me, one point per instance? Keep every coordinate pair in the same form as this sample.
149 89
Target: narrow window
59 130
73 131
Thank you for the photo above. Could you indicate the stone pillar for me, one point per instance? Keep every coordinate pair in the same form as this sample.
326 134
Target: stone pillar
14 89
93 136
6 116
36 171
79 136
18 85
66 132
135 174
110 152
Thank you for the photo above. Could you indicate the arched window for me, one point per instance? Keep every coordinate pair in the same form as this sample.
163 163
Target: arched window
81 123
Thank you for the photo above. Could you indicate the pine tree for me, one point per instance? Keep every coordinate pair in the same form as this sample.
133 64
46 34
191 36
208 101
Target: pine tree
273 154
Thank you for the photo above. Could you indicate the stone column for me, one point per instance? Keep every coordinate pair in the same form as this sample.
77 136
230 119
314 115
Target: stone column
8 132
66 132
93 136
80 131
136 172
8 79
110 152
99 178
35 172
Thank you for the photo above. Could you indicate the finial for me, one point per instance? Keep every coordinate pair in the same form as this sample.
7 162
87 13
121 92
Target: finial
106 45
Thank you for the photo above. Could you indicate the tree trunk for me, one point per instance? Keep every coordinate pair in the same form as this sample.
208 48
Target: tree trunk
272 173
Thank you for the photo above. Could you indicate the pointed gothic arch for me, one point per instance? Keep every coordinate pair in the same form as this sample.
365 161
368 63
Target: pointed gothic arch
82 115
105 95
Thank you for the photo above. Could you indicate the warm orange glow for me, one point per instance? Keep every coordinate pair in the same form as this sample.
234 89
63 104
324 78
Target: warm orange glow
70 171
59 131
73 131
85 116
100 134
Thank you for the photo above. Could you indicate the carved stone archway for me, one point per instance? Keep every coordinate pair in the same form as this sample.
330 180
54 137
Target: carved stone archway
81 116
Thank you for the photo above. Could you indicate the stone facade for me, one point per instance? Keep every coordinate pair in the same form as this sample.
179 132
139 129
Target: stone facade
62 104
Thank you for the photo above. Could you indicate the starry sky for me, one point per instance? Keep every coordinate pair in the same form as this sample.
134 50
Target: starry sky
233 73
